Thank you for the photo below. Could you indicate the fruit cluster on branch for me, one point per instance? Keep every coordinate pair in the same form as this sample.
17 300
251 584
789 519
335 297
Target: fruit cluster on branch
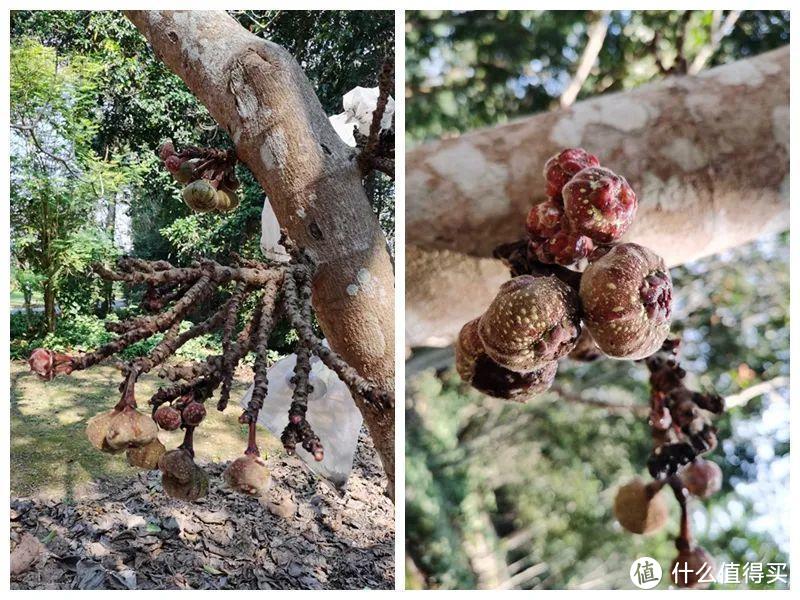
680 422
279 290
577 292
208 175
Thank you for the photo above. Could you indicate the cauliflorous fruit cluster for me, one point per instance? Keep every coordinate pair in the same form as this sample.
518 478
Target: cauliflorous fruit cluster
207 174
586 205
247 298
512 350
577 291
620 306
682 432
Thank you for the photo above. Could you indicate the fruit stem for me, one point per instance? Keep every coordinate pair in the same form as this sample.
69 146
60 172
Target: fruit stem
654 487
684 539
252 447
128 399
188 440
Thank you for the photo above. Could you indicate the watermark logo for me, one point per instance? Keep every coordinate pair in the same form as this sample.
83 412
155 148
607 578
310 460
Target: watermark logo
645 573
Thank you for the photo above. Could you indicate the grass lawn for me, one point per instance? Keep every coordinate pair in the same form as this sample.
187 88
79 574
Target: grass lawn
18 300
50 455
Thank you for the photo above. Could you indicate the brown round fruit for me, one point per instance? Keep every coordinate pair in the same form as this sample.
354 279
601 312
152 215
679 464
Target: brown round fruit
168 418
702 478
690 566
117 430
468 348
146 457
248 474
130 428
627 301
194 488
194 413
177 464
638 509
532 321
497 381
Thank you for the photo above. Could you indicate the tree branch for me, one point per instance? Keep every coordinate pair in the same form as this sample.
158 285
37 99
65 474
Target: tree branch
259 94
596 35
718 33
468 194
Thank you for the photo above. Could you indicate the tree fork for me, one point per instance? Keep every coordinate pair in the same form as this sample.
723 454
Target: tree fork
259 94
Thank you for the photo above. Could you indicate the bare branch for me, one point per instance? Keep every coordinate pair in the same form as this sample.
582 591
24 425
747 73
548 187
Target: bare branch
596 33
718 33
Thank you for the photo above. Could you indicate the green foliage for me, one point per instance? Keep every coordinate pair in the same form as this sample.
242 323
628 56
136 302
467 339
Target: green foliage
76 332
143 103
476 68
58 181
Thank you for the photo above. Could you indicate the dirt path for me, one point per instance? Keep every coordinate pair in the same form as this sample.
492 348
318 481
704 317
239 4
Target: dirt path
127 534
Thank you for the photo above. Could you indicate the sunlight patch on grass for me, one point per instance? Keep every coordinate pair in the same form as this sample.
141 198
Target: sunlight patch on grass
50 454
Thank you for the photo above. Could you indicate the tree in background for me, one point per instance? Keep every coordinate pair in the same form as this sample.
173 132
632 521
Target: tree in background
58 181
471 69
509 496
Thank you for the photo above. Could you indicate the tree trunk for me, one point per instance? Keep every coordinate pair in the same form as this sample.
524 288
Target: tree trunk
708 157
259 94
49 307
27 298
108 286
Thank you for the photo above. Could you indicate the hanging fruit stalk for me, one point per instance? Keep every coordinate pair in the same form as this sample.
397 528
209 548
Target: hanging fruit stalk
280 291
577 291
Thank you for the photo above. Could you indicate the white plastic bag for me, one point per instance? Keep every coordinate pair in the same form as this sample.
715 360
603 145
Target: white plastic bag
343 125
359 104
271 235
332 415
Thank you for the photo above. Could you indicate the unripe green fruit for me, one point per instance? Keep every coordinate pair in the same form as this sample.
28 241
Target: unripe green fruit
185 172
200 196
638 509
227 200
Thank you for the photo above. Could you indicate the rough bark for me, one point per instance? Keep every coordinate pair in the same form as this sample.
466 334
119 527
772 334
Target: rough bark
49 300
259 94
708 157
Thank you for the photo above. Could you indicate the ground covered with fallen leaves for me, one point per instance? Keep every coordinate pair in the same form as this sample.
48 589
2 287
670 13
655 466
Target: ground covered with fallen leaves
125 533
